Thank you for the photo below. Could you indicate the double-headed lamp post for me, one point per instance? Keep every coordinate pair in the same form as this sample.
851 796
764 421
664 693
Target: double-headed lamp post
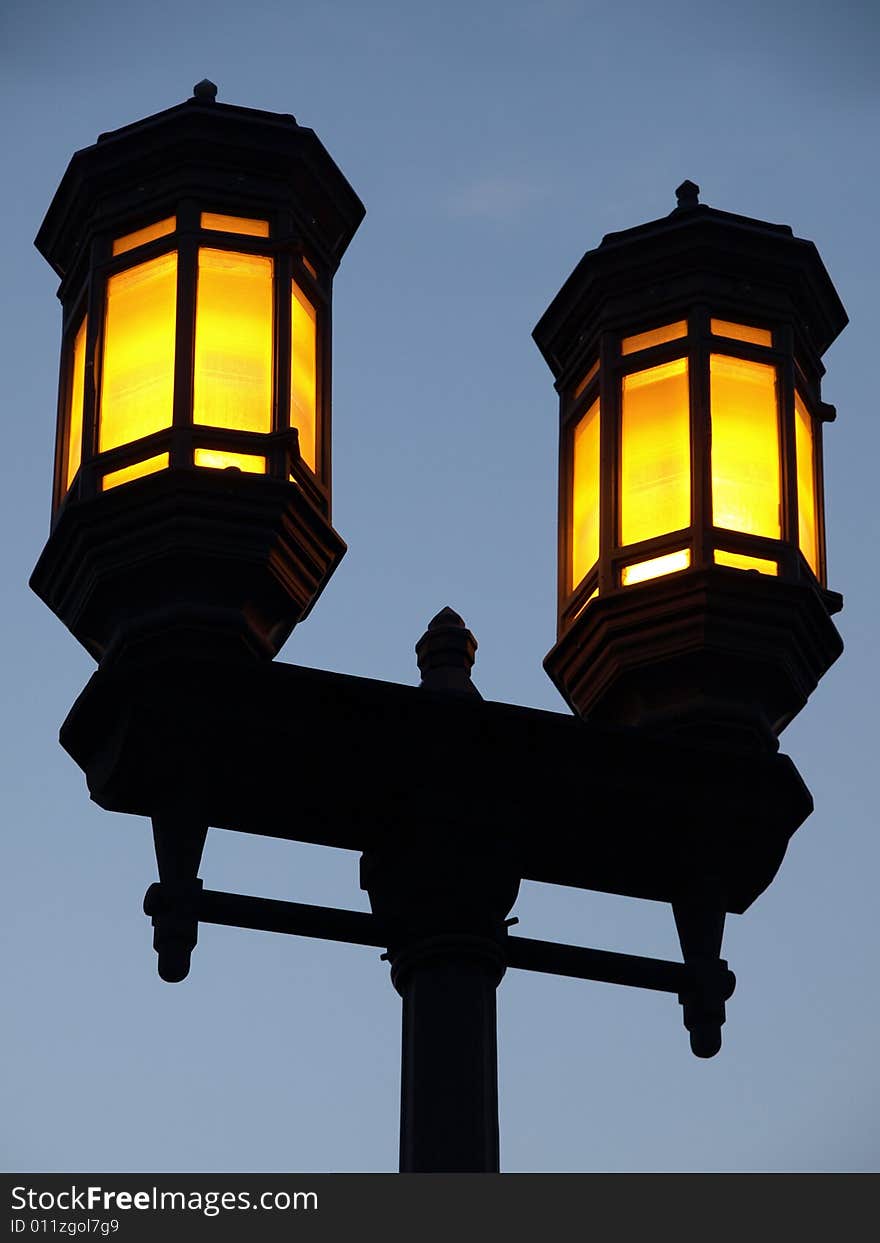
191 532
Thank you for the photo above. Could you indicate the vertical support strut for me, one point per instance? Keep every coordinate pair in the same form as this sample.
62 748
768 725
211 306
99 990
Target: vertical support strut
700 931
179 840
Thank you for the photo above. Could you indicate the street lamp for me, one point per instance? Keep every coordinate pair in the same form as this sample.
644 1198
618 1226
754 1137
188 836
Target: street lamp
692 575
191 531
196 251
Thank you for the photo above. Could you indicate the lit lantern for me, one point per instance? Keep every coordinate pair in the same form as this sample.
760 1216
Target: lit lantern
196 250
692 574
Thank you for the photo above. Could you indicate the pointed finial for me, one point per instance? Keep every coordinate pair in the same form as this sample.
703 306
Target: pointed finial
687 195
205 91
446 617
445 654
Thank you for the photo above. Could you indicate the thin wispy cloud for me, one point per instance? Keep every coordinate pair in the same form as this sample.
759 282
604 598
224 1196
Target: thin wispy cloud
494 198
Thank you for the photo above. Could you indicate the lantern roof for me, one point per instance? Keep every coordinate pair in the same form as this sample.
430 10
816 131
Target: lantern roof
244 158
696 253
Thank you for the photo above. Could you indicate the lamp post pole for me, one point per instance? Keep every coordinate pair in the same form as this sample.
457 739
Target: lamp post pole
444 900
449 1061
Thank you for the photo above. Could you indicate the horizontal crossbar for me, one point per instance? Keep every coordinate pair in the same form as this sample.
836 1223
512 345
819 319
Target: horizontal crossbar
360 928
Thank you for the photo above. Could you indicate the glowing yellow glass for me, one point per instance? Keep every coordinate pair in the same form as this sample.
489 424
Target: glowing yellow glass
655 467
657 336
594 370
304 373
75 408
148 467
137 370
745 446
232 384
141 236
585 495
234 224
656 567
741 562
742 332
310 267
252 463
808 530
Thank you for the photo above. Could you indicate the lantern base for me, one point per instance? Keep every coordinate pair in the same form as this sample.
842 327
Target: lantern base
214 562
712 654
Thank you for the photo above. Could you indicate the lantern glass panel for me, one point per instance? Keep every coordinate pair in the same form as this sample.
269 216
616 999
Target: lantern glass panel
745 447
657 336
140 237
741 561
585 495
75 407
252 463
232 384
656 567
137 371
304 374
742 332
655 475
808 531
218 223
136 471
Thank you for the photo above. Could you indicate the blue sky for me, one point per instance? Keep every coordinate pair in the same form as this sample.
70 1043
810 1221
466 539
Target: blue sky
492 144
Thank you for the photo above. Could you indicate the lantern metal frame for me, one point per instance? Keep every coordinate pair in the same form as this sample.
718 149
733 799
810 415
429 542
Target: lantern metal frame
700 537
290 263
735 629
103 572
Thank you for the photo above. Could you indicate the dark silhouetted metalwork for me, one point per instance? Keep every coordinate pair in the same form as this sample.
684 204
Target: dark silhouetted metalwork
667 784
